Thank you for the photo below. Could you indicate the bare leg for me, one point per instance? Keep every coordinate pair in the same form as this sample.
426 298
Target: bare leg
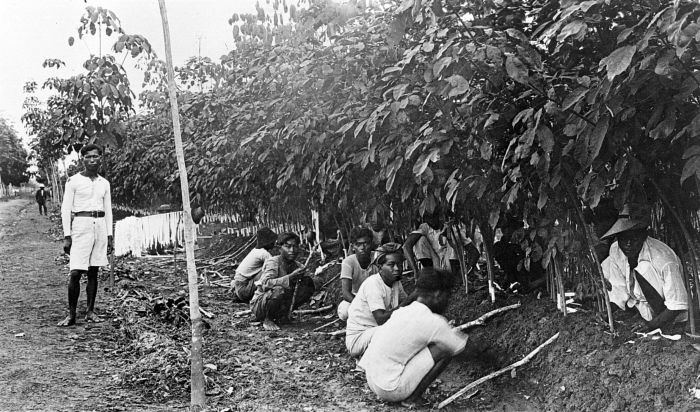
91 290
73 295
441 359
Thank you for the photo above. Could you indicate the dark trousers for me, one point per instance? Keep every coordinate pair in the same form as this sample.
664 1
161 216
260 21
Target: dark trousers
42 206
275 303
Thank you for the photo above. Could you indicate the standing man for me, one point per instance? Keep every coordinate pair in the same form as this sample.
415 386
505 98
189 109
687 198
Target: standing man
86 214
644 273
41 196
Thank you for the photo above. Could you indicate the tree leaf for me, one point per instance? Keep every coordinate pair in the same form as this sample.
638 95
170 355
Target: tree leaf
516 70
573 98
691 151
618 61
596 138
691 167
459 85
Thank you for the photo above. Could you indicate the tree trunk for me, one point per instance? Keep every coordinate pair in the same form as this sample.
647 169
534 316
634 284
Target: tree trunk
197 389
487 233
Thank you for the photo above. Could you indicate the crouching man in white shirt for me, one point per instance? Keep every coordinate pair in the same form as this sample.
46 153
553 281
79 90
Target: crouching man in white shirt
415 345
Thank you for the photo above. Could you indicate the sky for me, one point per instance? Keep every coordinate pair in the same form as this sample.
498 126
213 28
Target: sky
36 30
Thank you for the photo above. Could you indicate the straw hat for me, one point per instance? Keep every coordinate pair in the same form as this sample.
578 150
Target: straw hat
632 216
41 186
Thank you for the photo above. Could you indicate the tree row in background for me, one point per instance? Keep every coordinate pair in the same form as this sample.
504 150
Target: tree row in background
532 109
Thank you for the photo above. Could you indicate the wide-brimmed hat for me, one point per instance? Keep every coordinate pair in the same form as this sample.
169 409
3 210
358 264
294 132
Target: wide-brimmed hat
632 216
41 186
266 237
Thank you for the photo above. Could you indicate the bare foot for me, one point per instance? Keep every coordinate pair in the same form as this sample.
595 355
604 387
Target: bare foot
270 325
68 321
92 317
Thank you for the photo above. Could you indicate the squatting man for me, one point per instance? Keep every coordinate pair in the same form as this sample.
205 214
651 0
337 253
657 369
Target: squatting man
86 214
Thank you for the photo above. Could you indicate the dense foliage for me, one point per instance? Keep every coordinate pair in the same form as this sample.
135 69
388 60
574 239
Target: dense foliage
13 156
535 108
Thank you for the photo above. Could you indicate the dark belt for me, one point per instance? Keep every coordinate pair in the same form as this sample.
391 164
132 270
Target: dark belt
94 213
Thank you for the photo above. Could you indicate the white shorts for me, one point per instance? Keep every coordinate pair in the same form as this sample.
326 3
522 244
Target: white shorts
358 342
414 372
89 243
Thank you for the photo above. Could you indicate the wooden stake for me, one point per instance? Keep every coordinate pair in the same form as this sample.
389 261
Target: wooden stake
517 364
481 319
197 386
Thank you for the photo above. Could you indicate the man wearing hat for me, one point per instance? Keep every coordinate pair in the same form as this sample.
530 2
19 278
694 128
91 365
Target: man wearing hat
250 269
41 196
643 272
277 286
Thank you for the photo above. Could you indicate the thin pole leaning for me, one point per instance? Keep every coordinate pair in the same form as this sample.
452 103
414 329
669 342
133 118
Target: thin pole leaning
197 388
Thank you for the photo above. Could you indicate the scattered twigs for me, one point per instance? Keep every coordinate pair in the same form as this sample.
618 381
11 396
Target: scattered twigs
296 286
482 319
340 332
243 312
325 325
333 279
313 311
206 313
517 364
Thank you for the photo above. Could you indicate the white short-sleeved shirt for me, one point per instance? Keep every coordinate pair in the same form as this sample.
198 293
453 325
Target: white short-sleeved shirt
435 240
409 330
252 264
83 194
659 265
373 295
351 269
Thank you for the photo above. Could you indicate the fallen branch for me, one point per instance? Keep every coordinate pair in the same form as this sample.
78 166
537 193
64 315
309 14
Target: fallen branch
313 311
206 313
517 364
325 325
340 332
242 313
481 320
333 279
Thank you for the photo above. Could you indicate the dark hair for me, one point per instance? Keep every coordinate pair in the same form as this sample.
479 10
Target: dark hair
286 236
431 280
265 237
359 232
89 147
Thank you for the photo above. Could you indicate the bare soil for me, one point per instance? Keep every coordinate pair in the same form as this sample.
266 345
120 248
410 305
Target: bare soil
138 358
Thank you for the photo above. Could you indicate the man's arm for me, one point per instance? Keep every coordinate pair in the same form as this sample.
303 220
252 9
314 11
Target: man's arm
411 241
107 205
382 315
346 280
66 207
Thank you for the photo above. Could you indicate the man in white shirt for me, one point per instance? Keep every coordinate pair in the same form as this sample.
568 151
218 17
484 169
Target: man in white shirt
643 272
378 296
249 270
86 214
356 268
416 344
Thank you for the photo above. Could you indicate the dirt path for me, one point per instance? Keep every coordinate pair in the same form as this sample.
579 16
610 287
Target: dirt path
43 367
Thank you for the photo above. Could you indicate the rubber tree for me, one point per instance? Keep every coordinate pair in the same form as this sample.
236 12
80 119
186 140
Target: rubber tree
197 394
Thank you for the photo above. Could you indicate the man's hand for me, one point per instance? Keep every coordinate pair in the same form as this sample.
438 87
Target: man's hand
67 243
641 327
294 276
110 244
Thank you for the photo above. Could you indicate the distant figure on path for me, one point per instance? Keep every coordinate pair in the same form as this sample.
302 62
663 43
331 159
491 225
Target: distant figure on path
249 270
378 297
86 214
275 288
643 272
415 345
355 268
41 196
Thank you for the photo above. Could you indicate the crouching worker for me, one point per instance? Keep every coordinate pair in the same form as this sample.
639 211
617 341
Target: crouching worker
378 296
643 272
415 345
355 268
278 281
250 269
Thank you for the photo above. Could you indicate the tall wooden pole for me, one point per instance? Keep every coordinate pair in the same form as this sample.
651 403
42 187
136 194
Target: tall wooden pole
197 390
